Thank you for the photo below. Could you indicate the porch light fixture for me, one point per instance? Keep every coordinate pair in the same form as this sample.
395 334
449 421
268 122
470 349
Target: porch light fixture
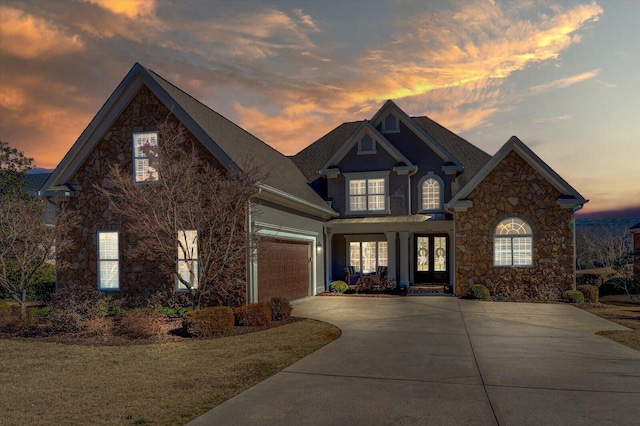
318 247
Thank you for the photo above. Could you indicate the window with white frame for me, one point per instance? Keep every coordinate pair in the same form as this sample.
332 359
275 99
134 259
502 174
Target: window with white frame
366 145
431 191
367 194
108 261
513 243
366 256
188 259
390 124
145 154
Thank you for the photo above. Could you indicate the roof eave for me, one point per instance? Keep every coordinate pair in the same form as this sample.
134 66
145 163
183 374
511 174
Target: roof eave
274 195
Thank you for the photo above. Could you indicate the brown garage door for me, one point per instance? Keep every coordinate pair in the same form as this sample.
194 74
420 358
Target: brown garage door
283 269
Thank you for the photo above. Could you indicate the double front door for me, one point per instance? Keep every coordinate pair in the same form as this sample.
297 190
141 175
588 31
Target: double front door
431 258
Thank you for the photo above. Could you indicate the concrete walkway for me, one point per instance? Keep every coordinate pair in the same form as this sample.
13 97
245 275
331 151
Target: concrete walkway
445 361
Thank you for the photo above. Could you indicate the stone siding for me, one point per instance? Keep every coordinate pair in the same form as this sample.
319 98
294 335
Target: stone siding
91 210
515 189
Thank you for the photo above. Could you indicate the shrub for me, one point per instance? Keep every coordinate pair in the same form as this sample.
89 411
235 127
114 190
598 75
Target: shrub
479 291
40 311
255 314
573 296
98 326
83 300
5 308
590 293
208 322
141 323
280 308
44 284
338 287
365 285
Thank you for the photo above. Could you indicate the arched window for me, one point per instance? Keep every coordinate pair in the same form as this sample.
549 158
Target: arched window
430 193
513 243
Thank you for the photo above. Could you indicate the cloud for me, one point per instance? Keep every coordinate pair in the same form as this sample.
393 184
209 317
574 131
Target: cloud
552 119
128 8
29 37
563 82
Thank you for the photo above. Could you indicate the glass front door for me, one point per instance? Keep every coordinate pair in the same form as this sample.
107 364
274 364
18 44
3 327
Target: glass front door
431 258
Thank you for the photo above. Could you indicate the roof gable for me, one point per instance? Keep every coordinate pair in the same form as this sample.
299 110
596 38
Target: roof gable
365 128
231 145
391 107
570 198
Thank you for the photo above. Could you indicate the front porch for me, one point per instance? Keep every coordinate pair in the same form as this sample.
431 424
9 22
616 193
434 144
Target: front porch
415 251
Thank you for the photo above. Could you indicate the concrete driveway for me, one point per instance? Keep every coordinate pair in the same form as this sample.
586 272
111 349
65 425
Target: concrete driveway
441 360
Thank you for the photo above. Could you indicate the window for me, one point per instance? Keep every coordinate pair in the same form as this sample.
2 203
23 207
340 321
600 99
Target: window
366 256
430 188
513 243
390 124
366 145
188 259
367 195
145 154
108 261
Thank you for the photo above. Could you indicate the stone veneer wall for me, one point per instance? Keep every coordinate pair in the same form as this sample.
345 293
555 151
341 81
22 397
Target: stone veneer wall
514 188
92 210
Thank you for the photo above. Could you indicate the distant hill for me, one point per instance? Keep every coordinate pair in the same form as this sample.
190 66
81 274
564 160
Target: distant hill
631 212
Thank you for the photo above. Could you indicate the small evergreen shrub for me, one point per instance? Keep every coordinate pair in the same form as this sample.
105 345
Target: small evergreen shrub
43 285
255 314
208 322
338 287
590 293
40 311
141 323
280 308
479 291
573 296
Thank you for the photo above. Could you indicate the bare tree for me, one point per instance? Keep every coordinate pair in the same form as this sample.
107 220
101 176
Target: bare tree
193 216
13 168
26 244
604 247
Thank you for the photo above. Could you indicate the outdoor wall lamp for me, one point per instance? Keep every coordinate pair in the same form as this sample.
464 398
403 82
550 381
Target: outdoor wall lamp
318 247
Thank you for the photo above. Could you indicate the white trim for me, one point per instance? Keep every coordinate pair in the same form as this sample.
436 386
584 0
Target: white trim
292 234
364 128
515 144
396 127
269 193
367 151
383 174
99 259
419 131
423 179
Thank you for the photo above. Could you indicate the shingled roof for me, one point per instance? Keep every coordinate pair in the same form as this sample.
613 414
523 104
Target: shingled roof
312 158
242 147
227 142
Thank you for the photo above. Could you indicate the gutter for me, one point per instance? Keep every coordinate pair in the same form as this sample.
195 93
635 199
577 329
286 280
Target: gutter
269 193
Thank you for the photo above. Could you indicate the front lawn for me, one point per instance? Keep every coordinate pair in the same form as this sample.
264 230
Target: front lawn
619 310
155 383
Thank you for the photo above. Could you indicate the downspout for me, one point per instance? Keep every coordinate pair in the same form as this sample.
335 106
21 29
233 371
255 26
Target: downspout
455 245
575 252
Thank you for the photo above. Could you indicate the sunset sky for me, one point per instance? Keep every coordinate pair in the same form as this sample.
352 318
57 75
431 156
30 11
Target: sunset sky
563 76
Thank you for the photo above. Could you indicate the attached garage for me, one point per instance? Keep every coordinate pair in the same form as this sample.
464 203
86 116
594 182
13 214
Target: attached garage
284 269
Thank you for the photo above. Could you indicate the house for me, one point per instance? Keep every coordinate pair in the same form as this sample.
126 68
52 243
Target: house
635 230
394 193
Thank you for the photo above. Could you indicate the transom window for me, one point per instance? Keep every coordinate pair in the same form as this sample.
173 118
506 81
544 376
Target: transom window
513 243
367 195
366 256
145 154
108 261
188 259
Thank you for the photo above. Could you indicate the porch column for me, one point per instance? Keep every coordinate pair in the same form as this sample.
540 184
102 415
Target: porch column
328 264
391 255
404 258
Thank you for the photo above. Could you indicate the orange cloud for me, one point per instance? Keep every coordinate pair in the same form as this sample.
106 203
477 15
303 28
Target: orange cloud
27 36
128 8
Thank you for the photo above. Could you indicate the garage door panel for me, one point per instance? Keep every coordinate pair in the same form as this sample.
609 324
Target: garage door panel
283 269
